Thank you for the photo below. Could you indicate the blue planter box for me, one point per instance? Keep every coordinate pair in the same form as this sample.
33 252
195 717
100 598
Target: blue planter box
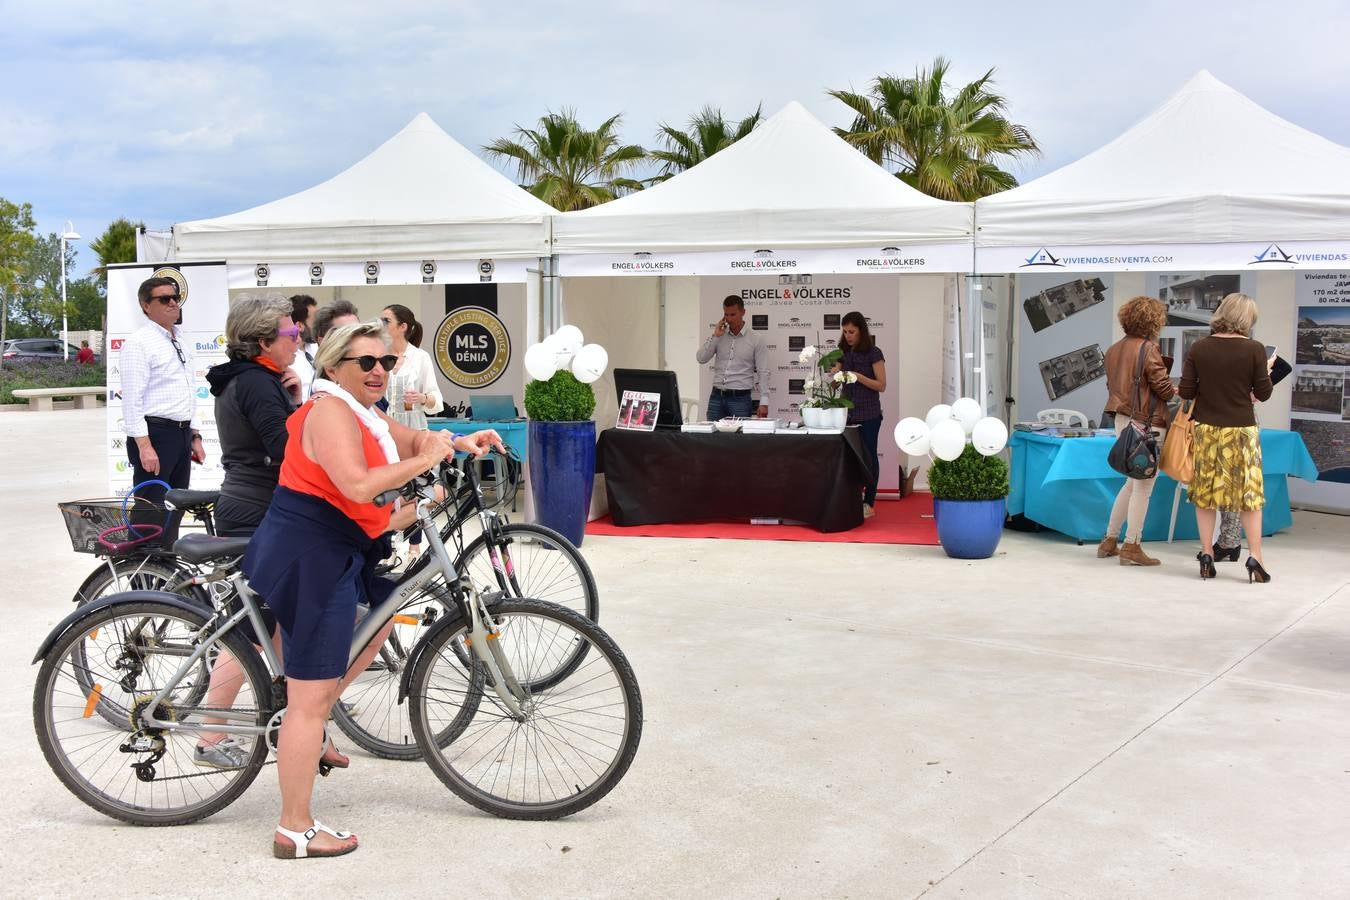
562 473
970 529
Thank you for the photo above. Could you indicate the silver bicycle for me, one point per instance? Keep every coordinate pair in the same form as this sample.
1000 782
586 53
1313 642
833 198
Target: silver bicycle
523 708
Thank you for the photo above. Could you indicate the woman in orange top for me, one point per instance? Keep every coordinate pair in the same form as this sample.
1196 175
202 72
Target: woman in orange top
313 556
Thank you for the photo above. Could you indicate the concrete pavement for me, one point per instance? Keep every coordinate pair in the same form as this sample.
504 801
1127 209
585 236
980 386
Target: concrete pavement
822 720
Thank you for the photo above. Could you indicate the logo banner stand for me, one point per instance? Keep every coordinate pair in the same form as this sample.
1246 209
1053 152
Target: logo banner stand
897 258
1281 256
285 275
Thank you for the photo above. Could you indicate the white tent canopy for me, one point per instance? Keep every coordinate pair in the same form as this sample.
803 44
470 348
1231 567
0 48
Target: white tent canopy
1208 167
419 195
790 184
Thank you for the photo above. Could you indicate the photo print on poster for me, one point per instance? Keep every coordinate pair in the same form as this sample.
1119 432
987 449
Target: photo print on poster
1318 390
1323 336
1057 303
1191 298
1068 372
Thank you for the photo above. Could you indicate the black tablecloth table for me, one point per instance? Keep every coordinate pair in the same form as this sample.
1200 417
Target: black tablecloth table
671 476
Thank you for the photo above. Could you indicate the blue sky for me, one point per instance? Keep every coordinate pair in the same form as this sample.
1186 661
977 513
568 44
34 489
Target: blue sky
167 112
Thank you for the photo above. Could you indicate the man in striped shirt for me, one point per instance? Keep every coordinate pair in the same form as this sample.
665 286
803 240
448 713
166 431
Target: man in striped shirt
159 401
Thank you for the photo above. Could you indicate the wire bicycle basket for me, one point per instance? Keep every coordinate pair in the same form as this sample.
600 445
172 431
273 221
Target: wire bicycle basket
104 525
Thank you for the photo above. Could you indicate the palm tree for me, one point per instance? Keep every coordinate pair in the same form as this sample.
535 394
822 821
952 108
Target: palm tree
117 244
569 167
947 147
708 133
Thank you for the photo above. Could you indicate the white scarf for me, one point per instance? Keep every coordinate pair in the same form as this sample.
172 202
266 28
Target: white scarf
377 426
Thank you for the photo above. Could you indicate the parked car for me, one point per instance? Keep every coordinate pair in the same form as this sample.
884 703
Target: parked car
40 348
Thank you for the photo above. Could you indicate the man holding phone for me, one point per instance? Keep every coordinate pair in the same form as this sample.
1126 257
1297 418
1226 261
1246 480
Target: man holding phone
740 366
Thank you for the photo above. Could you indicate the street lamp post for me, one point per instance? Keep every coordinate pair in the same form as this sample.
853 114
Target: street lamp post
67 235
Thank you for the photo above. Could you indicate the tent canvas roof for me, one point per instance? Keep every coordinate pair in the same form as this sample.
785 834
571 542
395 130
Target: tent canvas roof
419 195
1208 166
792 182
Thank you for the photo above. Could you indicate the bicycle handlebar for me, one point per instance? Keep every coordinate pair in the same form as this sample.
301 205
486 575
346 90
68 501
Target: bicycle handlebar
441 473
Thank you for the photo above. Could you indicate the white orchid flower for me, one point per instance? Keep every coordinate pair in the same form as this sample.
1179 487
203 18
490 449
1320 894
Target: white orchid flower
852 377
840 377
808 384
807 354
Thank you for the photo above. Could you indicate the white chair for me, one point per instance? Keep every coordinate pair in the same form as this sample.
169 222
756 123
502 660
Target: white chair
689 409
1065 417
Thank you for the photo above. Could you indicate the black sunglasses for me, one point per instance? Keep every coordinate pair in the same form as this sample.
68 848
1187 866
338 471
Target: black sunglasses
179 350
368 362
171 298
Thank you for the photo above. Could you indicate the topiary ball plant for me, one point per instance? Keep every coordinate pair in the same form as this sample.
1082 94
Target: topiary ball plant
971 476
559 399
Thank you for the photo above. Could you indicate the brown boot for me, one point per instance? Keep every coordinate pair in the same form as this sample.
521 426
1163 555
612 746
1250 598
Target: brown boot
1133 555
1107 548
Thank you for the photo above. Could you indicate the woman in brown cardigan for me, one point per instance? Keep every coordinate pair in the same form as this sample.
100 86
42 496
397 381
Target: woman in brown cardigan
1142 318
1224 373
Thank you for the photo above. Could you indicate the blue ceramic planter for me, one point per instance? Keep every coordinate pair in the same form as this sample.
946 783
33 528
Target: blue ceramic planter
970 529
562 473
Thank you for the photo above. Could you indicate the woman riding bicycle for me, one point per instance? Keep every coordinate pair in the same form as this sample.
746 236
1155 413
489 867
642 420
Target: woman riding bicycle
312 558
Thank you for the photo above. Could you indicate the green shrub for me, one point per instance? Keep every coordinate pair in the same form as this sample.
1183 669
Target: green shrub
971 476
559 399
46 373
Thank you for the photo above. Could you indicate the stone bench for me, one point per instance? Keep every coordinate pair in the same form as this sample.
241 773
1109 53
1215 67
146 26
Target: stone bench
40 399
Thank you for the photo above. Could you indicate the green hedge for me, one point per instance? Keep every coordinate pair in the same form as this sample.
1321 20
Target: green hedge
44 373
559 399
969 477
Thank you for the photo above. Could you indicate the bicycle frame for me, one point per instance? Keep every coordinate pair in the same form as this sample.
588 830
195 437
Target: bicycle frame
481 637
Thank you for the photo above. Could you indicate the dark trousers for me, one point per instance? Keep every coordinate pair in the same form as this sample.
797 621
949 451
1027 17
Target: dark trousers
173 446
870 431
720 406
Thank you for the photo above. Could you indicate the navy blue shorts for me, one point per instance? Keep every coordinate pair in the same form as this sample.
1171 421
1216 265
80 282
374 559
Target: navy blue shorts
311 565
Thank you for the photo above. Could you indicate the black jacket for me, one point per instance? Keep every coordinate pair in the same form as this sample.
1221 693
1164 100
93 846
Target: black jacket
251 412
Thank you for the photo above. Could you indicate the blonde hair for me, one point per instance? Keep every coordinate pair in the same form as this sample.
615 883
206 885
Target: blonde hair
1236 315
339 341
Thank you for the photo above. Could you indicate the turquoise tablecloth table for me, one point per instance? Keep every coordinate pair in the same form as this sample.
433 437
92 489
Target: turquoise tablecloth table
513 431
1065 484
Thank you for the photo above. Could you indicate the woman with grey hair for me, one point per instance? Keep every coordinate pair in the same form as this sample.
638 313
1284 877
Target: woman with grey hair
255 392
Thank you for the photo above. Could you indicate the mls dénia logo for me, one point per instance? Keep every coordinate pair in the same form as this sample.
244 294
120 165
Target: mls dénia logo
1042 257
1272 254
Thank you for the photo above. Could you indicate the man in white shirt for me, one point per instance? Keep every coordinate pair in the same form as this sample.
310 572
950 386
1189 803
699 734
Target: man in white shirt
302 308
741 369
159 401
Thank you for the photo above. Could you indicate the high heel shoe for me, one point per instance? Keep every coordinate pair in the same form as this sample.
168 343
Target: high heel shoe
1256 572
1227 553
1206 566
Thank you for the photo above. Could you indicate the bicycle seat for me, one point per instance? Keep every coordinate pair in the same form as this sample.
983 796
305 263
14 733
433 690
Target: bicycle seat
191 501
201 548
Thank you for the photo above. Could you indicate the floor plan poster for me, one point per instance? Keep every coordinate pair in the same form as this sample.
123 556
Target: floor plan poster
1320 410
1064 328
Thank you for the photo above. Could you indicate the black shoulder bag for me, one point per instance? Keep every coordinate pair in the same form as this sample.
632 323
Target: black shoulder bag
1135 452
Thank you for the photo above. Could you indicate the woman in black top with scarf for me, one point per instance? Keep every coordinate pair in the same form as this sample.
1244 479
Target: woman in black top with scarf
255 393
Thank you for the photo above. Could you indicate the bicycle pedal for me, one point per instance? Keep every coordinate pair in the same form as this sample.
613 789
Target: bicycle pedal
324 768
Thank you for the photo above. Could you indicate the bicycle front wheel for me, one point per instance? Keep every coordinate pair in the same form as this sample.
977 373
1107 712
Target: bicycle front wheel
128 652
533 561
577 735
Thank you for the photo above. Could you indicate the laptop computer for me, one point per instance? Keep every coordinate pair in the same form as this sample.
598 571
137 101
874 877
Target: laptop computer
493 407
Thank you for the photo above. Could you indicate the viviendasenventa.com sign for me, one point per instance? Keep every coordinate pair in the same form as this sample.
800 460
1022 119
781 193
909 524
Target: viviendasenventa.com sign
1265 255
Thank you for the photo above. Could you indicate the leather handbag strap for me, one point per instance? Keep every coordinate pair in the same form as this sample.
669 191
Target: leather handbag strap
1138 385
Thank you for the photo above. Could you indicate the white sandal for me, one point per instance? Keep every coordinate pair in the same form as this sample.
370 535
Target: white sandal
299 847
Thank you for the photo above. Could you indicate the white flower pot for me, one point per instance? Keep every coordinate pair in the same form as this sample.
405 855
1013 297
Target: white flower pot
834 417
811 416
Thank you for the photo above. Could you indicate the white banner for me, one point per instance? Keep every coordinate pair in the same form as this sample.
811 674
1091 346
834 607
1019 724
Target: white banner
1320 410
206 302
791 314
1281 256
403 271
893 259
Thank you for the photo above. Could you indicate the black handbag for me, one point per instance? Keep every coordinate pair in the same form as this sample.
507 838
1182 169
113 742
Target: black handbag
1135 452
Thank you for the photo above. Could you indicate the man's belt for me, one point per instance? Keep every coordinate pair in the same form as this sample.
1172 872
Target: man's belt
167 423
723 392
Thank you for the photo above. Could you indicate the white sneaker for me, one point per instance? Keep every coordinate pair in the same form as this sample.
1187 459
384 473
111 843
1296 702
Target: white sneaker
868 511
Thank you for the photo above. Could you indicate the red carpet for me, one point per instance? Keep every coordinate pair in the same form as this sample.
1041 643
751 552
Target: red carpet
896 522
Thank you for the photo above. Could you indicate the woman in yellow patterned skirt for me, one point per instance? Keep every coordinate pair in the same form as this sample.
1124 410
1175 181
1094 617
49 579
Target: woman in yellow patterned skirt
1224 373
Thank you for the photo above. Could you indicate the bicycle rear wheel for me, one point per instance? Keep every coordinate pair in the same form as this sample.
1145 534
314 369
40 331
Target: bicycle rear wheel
128 651
579 733
117 576
536 562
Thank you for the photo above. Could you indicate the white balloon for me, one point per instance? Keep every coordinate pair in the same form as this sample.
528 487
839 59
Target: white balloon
911 436
967 411
568 338
937 414
990 436
589 363
948 440
541 361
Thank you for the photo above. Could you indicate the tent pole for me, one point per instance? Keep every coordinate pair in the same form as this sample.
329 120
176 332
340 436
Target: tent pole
661 322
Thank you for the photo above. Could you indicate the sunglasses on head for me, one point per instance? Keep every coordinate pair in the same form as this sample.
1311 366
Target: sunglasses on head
368 362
